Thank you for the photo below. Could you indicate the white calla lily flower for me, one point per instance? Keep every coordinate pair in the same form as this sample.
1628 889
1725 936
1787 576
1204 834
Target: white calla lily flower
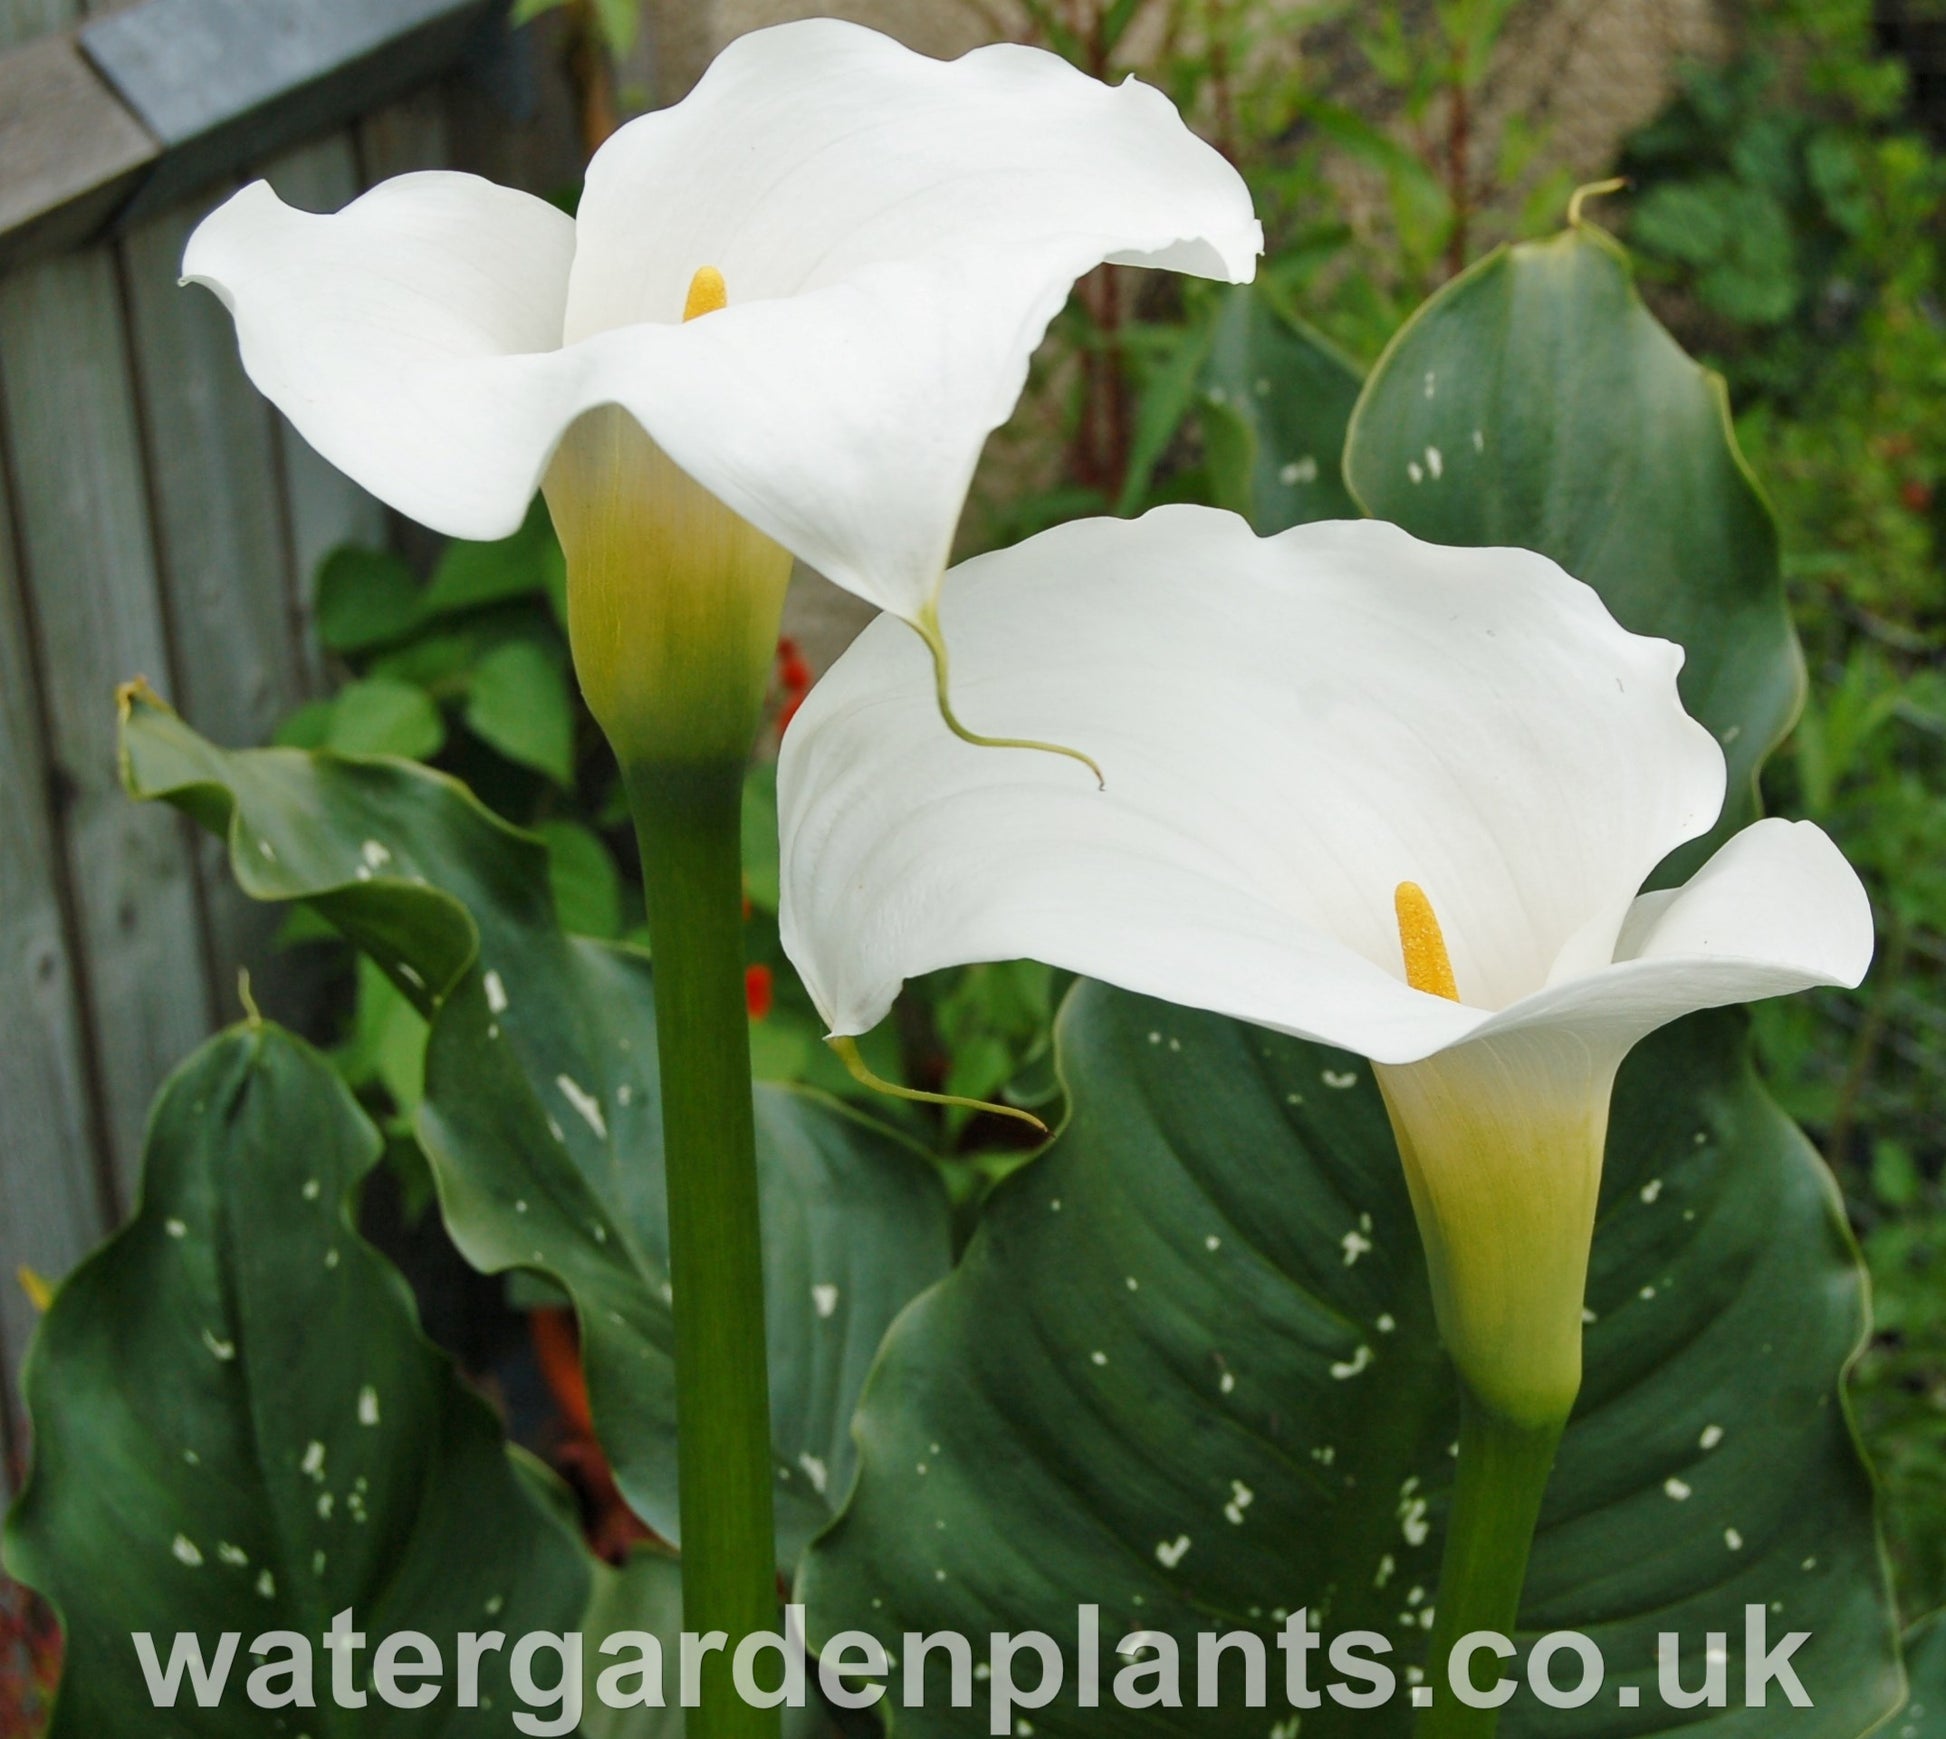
880 240
1389 796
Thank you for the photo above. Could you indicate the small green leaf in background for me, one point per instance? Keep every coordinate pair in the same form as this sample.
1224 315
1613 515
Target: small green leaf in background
618 19
1168 392
470 575
378 716
587 886
386 1046
239 1427
365 599
760 872
518 701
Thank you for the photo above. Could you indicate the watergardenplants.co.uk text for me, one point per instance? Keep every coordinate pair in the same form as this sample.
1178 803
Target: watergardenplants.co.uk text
555 1676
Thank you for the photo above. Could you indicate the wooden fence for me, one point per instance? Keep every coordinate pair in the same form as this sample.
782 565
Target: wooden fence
158 518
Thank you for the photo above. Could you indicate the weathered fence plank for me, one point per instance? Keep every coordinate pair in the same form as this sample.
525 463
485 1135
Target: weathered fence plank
222 555
51 1207
219 81
323 507
88 560
72 152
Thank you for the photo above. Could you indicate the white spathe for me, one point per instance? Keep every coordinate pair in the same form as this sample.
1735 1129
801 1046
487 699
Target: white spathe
895 234
1290 727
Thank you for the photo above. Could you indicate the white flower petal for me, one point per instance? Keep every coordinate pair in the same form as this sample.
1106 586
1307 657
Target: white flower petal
812 150
391 335
895 234
1776 910
1290 727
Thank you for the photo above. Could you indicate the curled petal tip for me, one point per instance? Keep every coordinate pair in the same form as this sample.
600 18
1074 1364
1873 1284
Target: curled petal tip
861 1072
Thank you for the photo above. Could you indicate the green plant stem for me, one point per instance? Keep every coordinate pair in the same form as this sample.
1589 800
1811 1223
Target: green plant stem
1503 1469
688 818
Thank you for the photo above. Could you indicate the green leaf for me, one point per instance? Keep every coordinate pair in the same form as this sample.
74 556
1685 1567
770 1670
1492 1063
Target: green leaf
1187 1370
587 886
541 1114
308 727
1535 401
387 1043
1168 392
1691 221
366 598
1924 1714
760 850
619 22
518 702
1294 392
378 716
239 1427
471 575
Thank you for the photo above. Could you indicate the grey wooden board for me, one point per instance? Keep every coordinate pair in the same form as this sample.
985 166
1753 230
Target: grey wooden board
408 135
323 507
30 20
224 560
218 81
71 152
84 536
51 1207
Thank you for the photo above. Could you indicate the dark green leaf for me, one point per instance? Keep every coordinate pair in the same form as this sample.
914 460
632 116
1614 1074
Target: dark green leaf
1187 1370
518 701
1293 392
1534 401
366 598
238 1426
587 886
541 1111
1924 1714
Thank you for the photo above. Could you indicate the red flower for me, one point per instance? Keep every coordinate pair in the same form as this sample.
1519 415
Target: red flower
759 990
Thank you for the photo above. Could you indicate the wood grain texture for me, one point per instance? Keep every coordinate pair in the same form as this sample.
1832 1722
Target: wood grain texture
323 507
405 136
71 152
51 1204
222 553
220 82
81 502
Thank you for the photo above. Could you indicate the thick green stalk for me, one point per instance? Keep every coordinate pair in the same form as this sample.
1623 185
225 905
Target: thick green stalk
1503 1469
688 819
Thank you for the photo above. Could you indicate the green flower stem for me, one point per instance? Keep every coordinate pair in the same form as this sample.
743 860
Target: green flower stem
1503 1469
688 818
